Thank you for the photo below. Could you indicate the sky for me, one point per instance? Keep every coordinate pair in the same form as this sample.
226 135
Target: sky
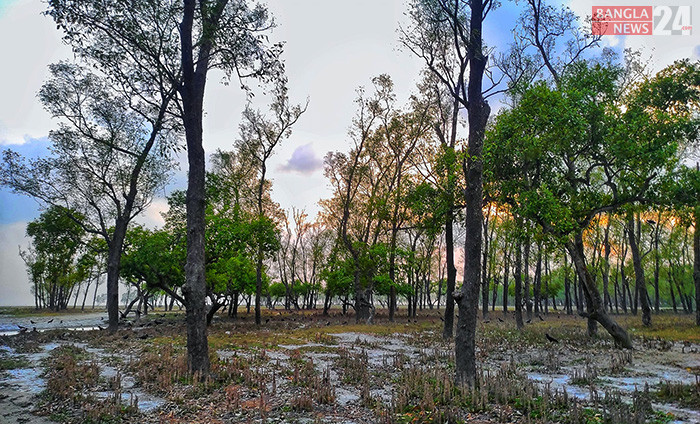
332 47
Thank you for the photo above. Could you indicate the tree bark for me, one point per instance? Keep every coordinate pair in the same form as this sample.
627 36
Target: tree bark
595 308
518 275
696 263
448 328
640 282
478 113
484 270
526 278
606 268
114 257
505 284
194 76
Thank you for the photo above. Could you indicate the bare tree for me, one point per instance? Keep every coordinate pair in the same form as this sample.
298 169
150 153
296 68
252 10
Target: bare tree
259 136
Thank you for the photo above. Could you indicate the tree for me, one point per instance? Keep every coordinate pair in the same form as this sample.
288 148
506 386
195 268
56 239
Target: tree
52 261
108 156
448 35
640 281
353 210
155 258
565 154
177 43
258 139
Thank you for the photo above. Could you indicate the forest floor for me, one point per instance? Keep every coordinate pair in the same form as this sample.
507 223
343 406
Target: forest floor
303 367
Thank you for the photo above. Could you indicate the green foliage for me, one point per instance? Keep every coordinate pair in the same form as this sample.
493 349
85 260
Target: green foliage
565 153
154 257
53 262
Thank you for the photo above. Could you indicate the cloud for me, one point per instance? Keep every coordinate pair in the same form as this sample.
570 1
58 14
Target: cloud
152 217
14 283
21 115
303 161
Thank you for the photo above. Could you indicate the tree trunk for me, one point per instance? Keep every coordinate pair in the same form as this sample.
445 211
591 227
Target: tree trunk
537 284
505 284
194 77
448 328
114 257
670 288
484 273
526 278
392 271
518 275
478 113
696 263
606 268
567 288
657 265
640 283
595 307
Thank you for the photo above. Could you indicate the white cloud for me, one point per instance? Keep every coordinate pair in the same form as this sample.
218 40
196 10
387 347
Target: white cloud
303 161
29 43
151 217
14 282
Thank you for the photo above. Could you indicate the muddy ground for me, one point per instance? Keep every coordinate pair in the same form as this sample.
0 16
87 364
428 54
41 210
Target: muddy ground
309 368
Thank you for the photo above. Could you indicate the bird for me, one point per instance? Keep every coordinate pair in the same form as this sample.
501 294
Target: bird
60 322
100 328
22 330
528 321
500 320
32 322
550 338
328 323
21 327
267 320
162 315
540 317
50 321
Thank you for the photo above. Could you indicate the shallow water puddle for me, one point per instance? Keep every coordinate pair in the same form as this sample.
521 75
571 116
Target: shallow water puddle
28 380
626 385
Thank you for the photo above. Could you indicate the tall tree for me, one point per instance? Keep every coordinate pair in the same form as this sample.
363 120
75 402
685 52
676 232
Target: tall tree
258 139
355 208
109 155
640 281
53 259
177 43
578 158
448 35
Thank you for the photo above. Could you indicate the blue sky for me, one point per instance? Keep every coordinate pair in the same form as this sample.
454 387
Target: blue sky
17 207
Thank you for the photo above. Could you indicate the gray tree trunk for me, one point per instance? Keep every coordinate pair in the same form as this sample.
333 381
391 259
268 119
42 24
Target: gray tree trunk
595 308
448 328
640 282
696 263
478 114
